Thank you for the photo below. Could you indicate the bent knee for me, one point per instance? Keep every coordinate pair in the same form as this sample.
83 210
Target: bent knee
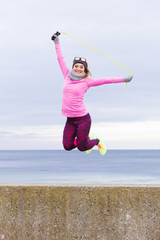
81 146
68 147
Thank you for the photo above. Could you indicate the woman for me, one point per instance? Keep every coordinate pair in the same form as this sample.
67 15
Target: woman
76 83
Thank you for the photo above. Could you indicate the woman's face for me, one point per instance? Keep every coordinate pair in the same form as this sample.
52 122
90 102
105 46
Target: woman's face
78 68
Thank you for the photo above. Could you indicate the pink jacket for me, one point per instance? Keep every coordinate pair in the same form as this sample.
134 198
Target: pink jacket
73 91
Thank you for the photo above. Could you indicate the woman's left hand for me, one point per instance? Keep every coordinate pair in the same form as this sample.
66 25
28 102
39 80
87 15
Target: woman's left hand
128 79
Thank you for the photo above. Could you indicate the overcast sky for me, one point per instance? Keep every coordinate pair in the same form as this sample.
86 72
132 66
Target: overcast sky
31 82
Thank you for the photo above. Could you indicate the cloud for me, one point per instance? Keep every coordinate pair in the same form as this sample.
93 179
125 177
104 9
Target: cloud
117 135
30 137
129 135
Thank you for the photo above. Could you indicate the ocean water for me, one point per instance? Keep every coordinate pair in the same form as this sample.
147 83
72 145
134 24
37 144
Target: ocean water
60 166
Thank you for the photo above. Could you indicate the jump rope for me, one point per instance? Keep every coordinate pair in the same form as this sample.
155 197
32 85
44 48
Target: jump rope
86 45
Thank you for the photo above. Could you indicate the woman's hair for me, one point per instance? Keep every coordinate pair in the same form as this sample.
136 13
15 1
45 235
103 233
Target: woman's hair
87 71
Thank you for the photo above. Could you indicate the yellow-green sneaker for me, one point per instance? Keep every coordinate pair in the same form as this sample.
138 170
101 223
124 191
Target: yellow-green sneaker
89 150
102 147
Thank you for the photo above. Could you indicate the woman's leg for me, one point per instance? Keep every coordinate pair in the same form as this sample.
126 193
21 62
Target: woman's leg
83 128
69 135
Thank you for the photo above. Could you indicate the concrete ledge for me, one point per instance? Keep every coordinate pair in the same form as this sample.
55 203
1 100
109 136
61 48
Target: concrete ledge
81 212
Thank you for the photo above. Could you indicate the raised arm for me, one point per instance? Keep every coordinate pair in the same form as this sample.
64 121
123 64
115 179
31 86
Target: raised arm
60 57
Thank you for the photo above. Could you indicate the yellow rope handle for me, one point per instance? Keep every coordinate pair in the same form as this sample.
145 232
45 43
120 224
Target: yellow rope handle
86 45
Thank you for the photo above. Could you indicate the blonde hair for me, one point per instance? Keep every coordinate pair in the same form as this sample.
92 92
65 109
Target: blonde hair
87 71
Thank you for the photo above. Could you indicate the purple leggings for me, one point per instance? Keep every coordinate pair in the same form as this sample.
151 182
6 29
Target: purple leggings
78 128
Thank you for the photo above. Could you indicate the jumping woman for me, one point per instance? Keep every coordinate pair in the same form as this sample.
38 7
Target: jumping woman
76 84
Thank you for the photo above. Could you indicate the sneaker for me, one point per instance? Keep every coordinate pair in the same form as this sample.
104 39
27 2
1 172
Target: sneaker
101 147
89 150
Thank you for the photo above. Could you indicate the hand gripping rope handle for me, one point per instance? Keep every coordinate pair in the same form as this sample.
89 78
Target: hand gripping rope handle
57 33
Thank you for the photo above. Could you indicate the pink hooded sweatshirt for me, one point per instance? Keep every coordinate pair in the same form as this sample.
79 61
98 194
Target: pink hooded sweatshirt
73 91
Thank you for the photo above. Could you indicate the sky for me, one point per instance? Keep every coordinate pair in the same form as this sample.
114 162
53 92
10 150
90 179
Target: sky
31 83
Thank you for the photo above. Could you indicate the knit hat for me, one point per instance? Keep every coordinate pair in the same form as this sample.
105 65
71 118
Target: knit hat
80 60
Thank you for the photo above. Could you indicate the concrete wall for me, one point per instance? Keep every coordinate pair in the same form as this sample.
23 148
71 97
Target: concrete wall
86 212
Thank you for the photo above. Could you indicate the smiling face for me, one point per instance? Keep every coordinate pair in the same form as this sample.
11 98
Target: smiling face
78 68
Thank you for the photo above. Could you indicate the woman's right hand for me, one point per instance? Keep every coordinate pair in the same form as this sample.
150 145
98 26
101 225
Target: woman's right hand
55 37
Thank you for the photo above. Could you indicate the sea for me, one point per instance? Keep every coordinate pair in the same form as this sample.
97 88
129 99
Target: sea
60 166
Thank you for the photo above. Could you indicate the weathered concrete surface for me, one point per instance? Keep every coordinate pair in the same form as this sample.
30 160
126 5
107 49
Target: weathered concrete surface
86 212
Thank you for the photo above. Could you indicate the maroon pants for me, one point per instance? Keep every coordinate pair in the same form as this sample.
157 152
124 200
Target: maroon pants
78 128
